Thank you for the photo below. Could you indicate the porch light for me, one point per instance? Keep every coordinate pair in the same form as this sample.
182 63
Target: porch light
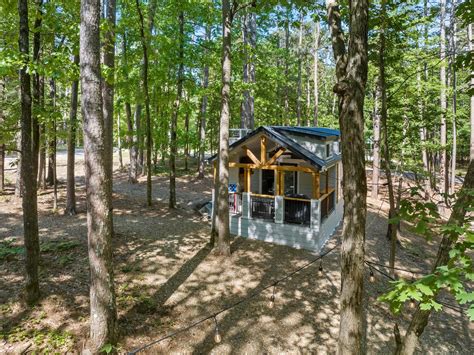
371 276
217 336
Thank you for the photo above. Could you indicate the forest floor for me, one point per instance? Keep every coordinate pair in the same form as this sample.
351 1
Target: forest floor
167 277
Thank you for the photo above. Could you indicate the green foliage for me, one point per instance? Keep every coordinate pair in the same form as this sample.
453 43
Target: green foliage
454 277
8 250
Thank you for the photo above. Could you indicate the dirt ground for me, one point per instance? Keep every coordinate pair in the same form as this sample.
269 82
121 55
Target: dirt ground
167 278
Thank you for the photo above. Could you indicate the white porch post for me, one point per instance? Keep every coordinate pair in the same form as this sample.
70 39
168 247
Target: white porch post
315 215
246 205
279 209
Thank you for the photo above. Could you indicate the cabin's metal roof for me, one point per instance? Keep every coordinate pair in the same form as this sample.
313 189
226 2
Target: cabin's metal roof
279 135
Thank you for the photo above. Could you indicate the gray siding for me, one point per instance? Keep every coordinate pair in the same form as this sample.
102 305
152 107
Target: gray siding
300 237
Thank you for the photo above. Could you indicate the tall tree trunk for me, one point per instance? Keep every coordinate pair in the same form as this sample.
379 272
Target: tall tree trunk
18 181
470 36
2 167
376 150
103 318
317 31
186 140
222 199
119 141
308 95
420 318
53 143
36 83
202 126
454 102
71 148
287 55
391 229
443 102
28 176
174 120
300 59
147 105
249 37
108 60
131 141
351 74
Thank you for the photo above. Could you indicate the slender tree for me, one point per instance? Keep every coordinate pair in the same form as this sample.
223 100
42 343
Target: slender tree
103 318
108 60
300 60
174 120
470 36
376 147
351 75
317 33
28 176
71 148
420 318
147 105
443 101
202 126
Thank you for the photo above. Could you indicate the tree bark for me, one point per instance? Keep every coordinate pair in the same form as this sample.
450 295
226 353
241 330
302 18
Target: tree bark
454 98
391 229
300 59
71 148
147 106
174 120
36 83
249 39
376 149
2 167
131 141
28 176
317 32
351 75
202 126
119 141
108 60
420 318
470 36
287 55
443 187
222 212
103 319
52 146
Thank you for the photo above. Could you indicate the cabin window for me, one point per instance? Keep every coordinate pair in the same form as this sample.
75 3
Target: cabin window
328 150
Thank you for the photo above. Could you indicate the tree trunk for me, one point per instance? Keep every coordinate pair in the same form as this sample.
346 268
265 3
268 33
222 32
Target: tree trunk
28 176
454 102
376 149
222 212
2 167
300 59
174 120
351 74
119 141
147 106
249 38
52 146
18 181
137 116
391 229
71 148
443 102
317 32
186 140
202 126
470 36
131 141
420 318
287 55
103 318
36 83
108 60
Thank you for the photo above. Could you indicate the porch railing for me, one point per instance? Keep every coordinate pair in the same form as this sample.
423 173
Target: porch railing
297 211
235 203
327 205
262 207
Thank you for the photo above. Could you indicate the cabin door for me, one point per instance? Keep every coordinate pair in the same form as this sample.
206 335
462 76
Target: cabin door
268 182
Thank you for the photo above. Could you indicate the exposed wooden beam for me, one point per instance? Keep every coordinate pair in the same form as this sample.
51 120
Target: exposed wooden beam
263 149
303 169
275 156
251 155
316 192
247 174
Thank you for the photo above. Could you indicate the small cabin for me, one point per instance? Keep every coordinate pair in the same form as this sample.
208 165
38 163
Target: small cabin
284 185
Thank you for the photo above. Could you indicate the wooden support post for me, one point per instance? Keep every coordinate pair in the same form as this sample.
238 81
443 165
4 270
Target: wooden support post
316 187
263 150
327 182
247 175
277 183
282 182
